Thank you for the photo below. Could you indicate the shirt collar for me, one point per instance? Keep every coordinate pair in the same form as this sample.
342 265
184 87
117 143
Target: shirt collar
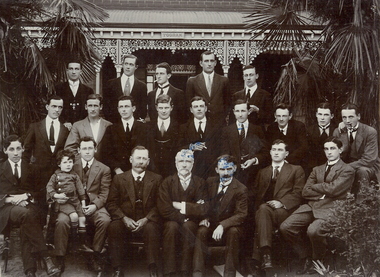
196 121
166 121
184 179
206 75
280 165
129 121
285 128
125 77
252 89
245 124
165 85
49 120
84 162
73 83
225 184
13 163
355 128
324 127
135 174
333 162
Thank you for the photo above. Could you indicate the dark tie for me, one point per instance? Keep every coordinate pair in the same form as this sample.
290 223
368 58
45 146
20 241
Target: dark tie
162 90
127 132
275 172
221 193
200 132
351 135
324 135
162 129
242 132
17 176
248 96
86 168
328 168
51 134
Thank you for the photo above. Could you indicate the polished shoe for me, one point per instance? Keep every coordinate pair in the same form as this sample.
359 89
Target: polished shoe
30 273
308 267
118 273
51 269
266 262
84 248
94 264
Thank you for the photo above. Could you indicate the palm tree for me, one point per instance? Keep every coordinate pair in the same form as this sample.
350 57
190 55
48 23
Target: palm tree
28 73
345 66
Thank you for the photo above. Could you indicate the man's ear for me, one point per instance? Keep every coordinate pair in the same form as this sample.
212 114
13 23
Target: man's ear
290 116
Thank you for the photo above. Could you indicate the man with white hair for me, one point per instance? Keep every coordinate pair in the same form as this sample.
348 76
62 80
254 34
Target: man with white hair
181 204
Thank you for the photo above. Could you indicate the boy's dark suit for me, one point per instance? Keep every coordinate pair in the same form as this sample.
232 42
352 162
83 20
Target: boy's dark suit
117 148
163 148
287 189
73 106
218 104
230 212
179 112
122 202
179 229
261 99
320 195
295 139
113 91
203 160
37 146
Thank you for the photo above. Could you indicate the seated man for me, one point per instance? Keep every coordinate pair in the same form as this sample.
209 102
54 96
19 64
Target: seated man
227 210
360 146
132 205
17 183
278 190
181 204
327 183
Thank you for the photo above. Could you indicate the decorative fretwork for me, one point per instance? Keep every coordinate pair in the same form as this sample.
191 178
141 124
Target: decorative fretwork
108 47
176 68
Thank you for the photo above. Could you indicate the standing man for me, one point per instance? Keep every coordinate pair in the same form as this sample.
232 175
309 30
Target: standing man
127 85
328 182
74 95
92 126
278 193
318 133
291 131
259 100
213 87
96 180
43 141
360 146
132 205
123 136
17 190
180 201
227 210
163 74
202 137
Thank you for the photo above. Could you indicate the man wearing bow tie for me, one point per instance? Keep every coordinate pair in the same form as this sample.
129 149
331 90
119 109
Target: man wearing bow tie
328 182
74 95
163 74
360 146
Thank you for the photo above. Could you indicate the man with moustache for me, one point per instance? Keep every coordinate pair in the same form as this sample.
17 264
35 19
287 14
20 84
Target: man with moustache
181 203
163 74
132 205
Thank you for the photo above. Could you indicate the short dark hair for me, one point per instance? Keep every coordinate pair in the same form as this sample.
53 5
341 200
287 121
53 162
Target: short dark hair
278 141
249 66
325 105
283 106
94 96
139 147
164 98
335 140
11 138
208 52
73 61
129 56
53 97
239 102
65 153
197 98
166 66
351 106
87 138
126 97
227 158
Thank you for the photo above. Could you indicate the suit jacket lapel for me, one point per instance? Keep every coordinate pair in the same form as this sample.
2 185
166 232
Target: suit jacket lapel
93 172
61 137
215 85
147 187
78 168
42 129
129 185
24 171
87 128
263 186
121 132
228 196
202 86
359 137
282 178
332 172
8 172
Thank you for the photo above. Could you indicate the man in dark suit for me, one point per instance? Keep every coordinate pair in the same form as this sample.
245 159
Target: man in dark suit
278 190
360 146
74 95
318 133
328 182
96 180
17 188
163 137
123 136
180 201
127 85
227 210
259 100
43 141
92 126
132 205
213 87
202 137
163 74
291 131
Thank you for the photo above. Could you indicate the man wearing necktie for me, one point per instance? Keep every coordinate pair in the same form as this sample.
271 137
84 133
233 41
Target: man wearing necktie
74 95
278 190
317 134
360 146
132 206
181 202
227 210
328 182
163 74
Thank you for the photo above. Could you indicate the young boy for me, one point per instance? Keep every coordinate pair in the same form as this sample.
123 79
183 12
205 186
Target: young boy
63 185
